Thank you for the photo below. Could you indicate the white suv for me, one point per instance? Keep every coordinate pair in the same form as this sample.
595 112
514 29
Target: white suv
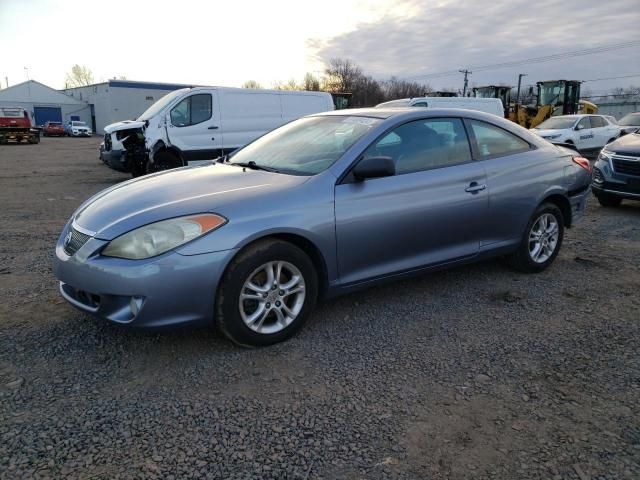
586 132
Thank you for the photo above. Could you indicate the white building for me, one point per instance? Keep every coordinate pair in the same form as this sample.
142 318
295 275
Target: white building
44 103
117 100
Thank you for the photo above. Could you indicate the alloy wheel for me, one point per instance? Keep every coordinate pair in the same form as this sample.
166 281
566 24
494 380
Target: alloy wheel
543 238
272 297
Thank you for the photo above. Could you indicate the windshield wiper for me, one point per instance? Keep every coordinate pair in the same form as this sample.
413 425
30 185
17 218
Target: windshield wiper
254 166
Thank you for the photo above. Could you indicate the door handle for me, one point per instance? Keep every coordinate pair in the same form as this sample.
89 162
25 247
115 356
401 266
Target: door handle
475 188
213 127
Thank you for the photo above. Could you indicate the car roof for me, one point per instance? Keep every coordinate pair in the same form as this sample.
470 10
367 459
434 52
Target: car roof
409 112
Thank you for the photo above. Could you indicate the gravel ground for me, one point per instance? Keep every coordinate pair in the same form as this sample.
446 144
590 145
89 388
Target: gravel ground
477 372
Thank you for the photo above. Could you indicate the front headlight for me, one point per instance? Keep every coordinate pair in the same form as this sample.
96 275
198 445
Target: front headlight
160 237
605 155
551 137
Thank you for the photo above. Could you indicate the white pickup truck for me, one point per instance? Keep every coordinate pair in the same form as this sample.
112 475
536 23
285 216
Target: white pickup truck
202 123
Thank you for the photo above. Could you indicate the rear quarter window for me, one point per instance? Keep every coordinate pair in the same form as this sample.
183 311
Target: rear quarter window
492 141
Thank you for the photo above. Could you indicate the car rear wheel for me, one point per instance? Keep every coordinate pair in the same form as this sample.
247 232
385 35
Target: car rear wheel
609 200
541 241
267 293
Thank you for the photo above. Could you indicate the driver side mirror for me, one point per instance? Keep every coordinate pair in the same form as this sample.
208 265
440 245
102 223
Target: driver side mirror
579 127
374 167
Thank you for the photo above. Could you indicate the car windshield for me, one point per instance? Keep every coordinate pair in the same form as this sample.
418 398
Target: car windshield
306 146
630 120
557 123
78 124
160 104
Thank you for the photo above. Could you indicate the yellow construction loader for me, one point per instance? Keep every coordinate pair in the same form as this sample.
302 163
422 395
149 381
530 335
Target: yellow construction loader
554 97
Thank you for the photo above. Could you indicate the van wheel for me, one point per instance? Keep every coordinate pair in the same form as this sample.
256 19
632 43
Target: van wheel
541 240
163 160
267 293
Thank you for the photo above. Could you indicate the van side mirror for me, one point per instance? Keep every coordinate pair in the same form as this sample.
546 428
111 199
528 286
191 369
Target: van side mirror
374 167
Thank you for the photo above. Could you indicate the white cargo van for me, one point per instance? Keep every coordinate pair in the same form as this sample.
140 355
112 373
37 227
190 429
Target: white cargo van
488 105
202 123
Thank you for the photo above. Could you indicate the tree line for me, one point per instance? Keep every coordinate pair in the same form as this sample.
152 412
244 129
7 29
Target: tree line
344 76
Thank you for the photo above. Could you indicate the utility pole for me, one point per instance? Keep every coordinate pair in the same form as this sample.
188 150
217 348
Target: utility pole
6 79
466 81
519 83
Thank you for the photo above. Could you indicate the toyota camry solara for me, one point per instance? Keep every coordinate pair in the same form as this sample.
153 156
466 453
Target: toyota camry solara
321 206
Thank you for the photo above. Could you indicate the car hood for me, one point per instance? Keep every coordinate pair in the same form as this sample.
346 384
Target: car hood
125 125
548 132
626 145
175 193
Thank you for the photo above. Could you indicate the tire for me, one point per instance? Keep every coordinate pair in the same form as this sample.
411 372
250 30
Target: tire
524 259
163 160
255 322
609 201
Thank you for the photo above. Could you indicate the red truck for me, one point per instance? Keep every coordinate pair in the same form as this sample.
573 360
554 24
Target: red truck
15 125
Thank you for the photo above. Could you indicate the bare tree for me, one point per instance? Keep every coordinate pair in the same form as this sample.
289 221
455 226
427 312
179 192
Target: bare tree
342 75
78 77
311 82
395 88
251 84
290 84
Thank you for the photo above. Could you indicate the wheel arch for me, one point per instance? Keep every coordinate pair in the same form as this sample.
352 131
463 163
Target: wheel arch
160 145
562 202
300 241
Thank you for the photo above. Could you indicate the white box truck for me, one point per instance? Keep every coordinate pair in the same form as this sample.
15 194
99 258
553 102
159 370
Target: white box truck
202 123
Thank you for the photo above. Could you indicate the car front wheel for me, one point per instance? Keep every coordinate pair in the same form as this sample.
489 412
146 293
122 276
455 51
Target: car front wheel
541 241
267 294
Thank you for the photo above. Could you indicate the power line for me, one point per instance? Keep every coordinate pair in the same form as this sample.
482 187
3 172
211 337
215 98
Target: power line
546 58
612 78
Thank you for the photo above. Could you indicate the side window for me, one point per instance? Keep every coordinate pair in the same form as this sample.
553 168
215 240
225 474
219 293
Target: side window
597 122
420 104
424 145
192 110
200 108
493 141
584 123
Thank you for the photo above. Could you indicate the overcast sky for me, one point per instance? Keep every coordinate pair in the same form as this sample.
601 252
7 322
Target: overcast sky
228 42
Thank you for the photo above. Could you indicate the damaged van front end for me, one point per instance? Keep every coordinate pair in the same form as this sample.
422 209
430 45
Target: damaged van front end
124 147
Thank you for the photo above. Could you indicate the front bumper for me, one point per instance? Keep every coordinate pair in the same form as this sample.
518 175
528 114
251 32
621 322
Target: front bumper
116 159
80 134
606 181
164 291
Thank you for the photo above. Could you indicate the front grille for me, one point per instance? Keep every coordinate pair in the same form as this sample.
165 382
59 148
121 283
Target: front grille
626 165
74 241
107 141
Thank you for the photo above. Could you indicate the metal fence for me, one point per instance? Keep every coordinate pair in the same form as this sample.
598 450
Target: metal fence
619 108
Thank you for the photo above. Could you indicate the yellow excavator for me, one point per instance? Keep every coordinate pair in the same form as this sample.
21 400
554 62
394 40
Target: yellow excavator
554 97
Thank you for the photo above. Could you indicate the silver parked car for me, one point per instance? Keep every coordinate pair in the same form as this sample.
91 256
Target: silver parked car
321 206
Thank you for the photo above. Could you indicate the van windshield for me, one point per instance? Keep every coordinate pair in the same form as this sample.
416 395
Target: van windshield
306 146
154 109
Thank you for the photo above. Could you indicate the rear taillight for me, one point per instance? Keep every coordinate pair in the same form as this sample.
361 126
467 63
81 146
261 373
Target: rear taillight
583 162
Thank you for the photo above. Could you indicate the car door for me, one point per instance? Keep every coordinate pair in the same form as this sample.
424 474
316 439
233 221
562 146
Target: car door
517 174
585 135
430 212
194 126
